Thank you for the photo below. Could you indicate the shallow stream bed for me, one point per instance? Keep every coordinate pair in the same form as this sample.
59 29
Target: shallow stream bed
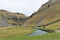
37 32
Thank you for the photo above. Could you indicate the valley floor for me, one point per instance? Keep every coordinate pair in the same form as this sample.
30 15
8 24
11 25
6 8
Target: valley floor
21 33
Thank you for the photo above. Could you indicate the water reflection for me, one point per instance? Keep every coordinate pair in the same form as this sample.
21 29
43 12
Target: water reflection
37 32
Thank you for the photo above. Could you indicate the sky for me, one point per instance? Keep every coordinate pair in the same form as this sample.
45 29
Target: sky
26 7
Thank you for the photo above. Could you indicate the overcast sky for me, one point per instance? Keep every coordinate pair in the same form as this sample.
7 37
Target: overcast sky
23 6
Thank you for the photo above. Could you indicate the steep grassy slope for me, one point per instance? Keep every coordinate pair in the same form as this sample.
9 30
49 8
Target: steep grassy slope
49 15
54 26
12 18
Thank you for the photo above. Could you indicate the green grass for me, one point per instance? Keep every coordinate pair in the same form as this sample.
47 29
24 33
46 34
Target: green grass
49 36
10 31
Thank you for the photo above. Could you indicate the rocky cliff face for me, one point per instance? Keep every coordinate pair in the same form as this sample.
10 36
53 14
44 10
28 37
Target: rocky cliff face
49 13
9 18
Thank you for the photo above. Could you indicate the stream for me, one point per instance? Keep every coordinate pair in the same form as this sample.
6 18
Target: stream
37 32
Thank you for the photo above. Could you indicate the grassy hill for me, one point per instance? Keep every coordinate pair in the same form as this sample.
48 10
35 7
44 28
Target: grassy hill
12 18
48 15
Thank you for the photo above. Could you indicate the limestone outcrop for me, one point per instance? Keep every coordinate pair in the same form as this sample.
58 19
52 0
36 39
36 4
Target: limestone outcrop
10 18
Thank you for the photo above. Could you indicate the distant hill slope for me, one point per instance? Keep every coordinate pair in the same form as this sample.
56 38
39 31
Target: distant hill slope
11 18
49 14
